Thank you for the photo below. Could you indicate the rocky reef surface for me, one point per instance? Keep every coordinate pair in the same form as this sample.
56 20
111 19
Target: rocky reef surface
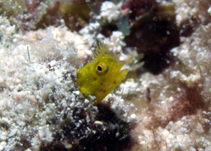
162 104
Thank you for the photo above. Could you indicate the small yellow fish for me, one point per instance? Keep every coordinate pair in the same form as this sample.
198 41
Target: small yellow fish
99 77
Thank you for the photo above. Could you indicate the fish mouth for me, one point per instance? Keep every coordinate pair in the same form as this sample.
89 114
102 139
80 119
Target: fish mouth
117 78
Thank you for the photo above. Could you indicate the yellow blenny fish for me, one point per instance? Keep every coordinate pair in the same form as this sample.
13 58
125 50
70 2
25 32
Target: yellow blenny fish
99 77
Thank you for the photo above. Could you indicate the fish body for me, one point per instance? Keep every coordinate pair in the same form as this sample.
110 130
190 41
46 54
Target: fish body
99 77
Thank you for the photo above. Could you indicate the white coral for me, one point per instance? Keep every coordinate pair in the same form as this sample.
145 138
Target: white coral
115 41
109 11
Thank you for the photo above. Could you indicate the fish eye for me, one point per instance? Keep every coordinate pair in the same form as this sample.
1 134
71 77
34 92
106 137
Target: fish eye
101 68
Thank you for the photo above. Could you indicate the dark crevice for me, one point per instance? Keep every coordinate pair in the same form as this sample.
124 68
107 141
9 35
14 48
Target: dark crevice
154 35
103 131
